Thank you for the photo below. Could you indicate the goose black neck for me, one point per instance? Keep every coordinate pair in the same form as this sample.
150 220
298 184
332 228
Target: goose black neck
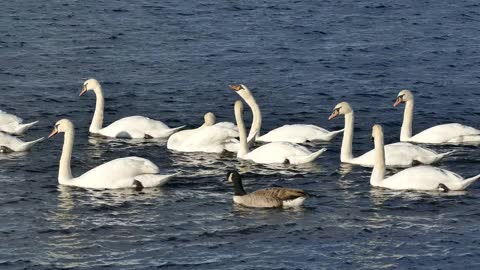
238 187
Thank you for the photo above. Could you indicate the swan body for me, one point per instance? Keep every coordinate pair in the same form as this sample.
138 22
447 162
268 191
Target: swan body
137 127
275 152
214 137
396 155
127 172
416 178
209 139
134 127
12 124
267 197
453 133
299 133
13 144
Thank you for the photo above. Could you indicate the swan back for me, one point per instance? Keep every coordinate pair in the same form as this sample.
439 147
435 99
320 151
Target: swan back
117 173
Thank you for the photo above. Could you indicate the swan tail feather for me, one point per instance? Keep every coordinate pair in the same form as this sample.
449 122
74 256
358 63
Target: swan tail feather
26 146
173 130
154 180
306 159
442 155
334 134
24 127
467 182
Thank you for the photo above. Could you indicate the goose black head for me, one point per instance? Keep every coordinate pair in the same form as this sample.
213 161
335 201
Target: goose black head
233 176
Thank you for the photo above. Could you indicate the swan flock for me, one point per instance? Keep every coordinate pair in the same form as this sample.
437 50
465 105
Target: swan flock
282 145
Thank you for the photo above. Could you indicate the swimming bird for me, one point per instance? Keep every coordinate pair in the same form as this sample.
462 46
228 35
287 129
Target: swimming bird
415 178
133 127
275 152
452 133
9 143
12 124
127 172
396 155
267 197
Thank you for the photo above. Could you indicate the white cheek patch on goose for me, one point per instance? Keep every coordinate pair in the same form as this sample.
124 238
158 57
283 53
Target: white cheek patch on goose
230 177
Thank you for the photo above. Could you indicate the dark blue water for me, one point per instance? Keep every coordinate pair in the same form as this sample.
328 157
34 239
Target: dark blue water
172 61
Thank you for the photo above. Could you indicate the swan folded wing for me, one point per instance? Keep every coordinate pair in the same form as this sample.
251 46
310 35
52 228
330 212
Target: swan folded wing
277 152
10 142
423 178
117 173
6 118
229 125
444 133
135 127
154 180
297 133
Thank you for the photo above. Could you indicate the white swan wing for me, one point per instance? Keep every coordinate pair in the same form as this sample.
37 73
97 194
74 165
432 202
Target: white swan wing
228 125
6 118
446 133
118 173
423 178
297 133
277 152
211 139
136 127
399 155
9 122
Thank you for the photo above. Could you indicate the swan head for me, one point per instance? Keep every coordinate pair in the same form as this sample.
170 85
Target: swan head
88 85
340 108
63 125
403 96
241 89
377 132
209 119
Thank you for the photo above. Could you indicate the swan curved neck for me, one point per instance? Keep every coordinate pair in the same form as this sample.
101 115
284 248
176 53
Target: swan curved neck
346 154
64 171
407 125
378 172
97 121
243 149
256 119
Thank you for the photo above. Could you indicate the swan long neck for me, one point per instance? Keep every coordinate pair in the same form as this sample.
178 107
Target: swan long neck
378 172
65 172
346 152
243 149
97 121
257 118
407 126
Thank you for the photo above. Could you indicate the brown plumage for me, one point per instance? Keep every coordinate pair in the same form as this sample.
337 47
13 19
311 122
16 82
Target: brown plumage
267 197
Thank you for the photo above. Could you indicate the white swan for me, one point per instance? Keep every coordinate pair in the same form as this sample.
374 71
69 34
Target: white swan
416 178
209 137
129 127
127 172
452 133
214 137
275 152
10 144
12 124
298 133
396 155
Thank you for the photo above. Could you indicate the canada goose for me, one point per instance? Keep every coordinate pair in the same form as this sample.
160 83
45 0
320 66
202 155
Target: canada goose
267 197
